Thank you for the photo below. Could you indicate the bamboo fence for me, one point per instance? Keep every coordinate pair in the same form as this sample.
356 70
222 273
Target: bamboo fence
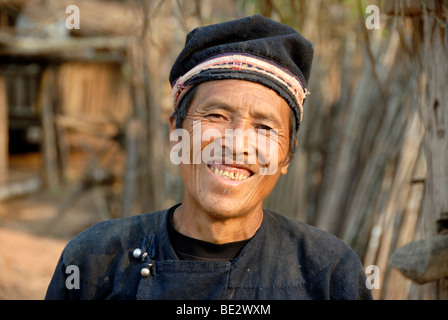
362 169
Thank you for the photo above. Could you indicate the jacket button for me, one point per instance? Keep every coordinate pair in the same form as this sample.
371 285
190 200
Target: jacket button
136 253
145 272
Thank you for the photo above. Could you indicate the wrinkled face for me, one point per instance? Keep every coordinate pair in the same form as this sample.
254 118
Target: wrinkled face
236 147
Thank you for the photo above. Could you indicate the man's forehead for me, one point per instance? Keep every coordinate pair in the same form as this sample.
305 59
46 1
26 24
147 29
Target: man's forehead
233 88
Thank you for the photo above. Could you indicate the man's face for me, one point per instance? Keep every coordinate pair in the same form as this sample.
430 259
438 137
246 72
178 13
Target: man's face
234 182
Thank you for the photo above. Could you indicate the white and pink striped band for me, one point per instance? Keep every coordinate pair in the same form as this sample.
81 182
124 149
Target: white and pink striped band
238 61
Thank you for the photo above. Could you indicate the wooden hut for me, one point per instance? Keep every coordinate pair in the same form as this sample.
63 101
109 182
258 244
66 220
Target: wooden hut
58 83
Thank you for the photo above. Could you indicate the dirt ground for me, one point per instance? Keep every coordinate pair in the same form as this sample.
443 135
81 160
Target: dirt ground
31 243
26 264
31 240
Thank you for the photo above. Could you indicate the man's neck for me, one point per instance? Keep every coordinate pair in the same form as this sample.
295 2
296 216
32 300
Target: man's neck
196 223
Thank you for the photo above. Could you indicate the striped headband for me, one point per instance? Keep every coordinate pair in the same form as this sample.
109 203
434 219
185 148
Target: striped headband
245 62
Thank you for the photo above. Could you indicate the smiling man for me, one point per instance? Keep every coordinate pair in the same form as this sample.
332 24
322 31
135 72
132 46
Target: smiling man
238 90
223 192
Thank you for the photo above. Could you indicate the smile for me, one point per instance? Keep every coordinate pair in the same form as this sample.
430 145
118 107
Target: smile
230 173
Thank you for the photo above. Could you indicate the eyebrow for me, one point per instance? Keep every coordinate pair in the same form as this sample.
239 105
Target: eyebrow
270 116
216 104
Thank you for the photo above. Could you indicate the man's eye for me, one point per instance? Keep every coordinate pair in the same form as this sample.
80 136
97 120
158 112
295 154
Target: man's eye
216 115
264 127
266 130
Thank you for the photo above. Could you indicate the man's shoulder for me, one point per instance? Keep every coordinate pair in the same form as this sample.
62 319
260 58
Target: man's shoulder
111 236
331 269
308 239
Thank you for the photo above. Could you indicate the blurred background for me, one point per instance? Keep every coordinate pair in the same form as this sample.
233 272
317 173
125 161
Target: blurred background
84 126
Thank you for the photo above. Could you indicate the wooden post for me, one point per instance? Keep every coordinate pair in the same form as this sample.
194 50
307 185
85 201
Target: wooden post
3 133
133 132
426 260
49 152
435 116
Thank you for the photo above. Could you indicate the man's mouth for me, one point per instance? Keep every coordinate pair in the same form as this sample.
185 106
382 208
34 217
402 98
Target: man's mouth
230 172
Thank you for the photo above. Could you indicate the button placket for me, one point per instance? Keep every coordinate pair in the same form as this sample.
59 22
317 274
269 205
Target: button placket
145 257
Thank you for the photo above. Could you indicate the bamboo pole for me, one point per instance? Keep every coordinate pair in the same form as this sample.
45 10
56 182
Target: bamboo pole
330 210
399 194
4 140
398 287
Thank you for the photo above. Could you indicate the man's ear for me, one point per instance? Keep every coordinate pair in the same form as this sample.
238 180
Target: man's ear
172 121
284 169
172 127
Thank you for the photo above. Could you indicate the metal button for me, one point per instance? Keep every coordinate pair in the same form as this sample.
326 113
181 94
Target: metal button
137 252
145 272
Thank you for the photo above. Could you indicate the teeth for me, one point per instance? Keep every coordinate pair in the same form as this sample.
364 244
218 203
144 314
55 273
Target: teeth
228 175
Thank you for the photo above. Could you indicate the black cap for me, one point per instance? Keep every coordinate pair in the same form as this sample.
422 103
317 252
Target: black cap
254 48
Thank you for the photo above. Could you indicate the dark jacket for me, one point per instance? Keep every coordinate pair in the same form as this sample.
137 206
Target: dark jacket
285 259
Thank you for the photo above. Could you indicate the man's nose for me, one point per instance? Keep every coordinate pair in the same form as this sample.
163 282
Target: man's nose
238 136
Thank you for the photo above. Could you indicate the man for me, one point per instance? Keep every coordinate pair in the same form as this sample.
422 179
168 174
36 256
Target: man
238 91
